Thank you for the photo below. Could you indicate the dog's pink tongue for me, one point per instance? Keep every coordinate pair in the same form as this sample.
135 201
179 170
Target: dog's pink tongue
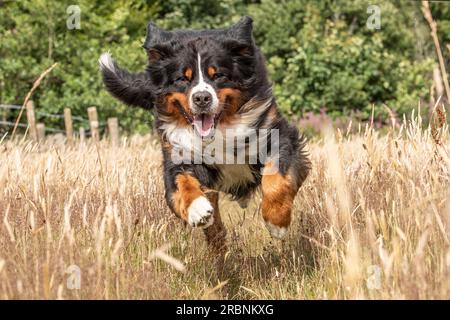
203 124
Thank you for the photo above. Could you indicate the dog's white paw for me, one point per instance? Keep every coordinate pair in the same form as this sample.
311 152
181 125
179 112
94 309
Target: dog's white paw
200 213
276 231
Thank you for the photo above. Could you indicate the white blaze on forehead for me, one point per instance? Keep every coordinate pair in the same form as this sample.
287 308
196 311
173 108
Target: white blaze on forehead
202 85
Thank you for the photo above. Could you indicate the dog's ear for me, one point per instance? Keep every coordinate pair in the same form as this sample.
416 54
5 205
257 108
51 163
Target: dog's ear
155 41
132 89
158 52
156 35
239 40
239 49
242 31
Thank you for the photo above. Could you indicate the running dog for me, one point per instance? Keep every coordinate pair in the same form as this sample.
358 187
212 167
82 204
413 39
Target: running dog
202 85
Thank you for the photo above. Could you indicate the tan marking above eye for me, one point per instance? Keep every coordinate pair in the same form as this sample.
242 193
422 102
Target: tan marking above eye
211 71
188 73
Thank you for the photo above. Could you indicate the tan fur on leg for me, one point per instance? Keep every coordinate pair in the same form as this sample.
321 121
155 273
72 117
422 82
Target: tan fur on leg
191 203
278 196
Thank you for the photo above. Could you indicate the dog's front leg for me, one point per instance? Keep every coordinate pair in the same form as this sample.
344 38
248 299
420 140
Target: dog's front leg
199 208
190 202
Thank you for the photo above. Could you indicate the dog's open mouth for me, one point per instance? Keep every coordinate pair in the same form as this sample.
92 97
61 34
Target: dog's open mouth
205 124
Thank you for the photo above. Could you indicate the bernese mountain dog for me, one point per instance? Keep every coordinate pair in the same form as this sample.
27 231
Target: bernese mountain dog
210 86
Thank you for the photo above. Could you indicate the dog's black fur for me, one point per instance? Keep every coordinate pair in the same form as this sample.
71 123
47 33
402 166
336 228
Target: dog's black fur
238 69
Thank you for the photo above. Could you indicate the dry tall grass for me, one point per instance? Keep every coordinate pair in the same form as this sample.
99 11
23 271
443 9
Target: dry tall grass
372 221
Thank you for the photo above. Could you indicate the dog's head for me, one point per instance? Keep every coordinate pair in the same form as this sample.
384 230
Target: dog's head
194 77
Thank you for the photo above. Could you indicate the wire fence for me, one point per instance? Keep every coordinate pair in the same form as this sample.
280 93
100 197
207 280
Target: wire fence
10 106
83 122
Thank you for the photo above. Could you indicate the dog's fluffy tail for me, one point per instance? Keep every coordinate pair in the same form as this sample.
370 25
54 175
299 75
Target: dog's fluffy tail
133 89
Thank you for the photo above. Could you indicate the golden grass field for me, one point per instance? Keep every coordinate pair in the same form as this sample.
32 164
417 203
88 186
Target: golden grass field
372 221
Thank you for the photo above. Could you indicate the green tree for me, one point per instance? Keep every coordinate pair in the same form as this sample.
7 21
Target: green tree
319 53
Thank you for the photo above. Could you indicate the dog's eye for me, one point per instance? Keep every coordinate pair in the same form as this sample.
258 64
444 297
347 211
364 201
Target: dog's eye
218 75
182 79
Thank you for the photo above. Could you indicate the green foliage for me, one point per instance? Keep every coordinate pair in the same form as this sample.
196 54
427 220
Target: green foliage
320 53
328 58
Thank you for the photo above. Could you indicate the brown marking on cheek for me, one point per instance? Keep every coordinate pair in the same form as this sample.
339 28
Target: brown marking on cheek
188 189
179 97
188 74
211 71
230 100
278 196
173 103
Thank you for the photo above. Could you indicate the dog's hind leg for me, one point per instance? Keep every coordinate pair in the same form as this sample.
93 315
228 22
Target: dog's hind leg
279 190
278 197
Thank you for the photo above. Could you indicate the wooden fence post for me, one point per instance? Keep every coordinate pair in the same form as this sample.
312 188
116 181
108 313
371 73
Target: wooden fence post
113 128
5 114
93 122
31 120
68 124
40 131
82 135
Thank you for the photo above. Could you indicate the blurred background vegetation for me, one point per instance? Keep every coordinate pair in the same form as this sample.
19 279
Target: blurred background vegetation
321 56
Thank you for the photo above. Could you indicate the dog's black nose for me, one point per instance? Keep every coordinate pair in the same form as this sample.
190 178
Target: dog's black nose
202 99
